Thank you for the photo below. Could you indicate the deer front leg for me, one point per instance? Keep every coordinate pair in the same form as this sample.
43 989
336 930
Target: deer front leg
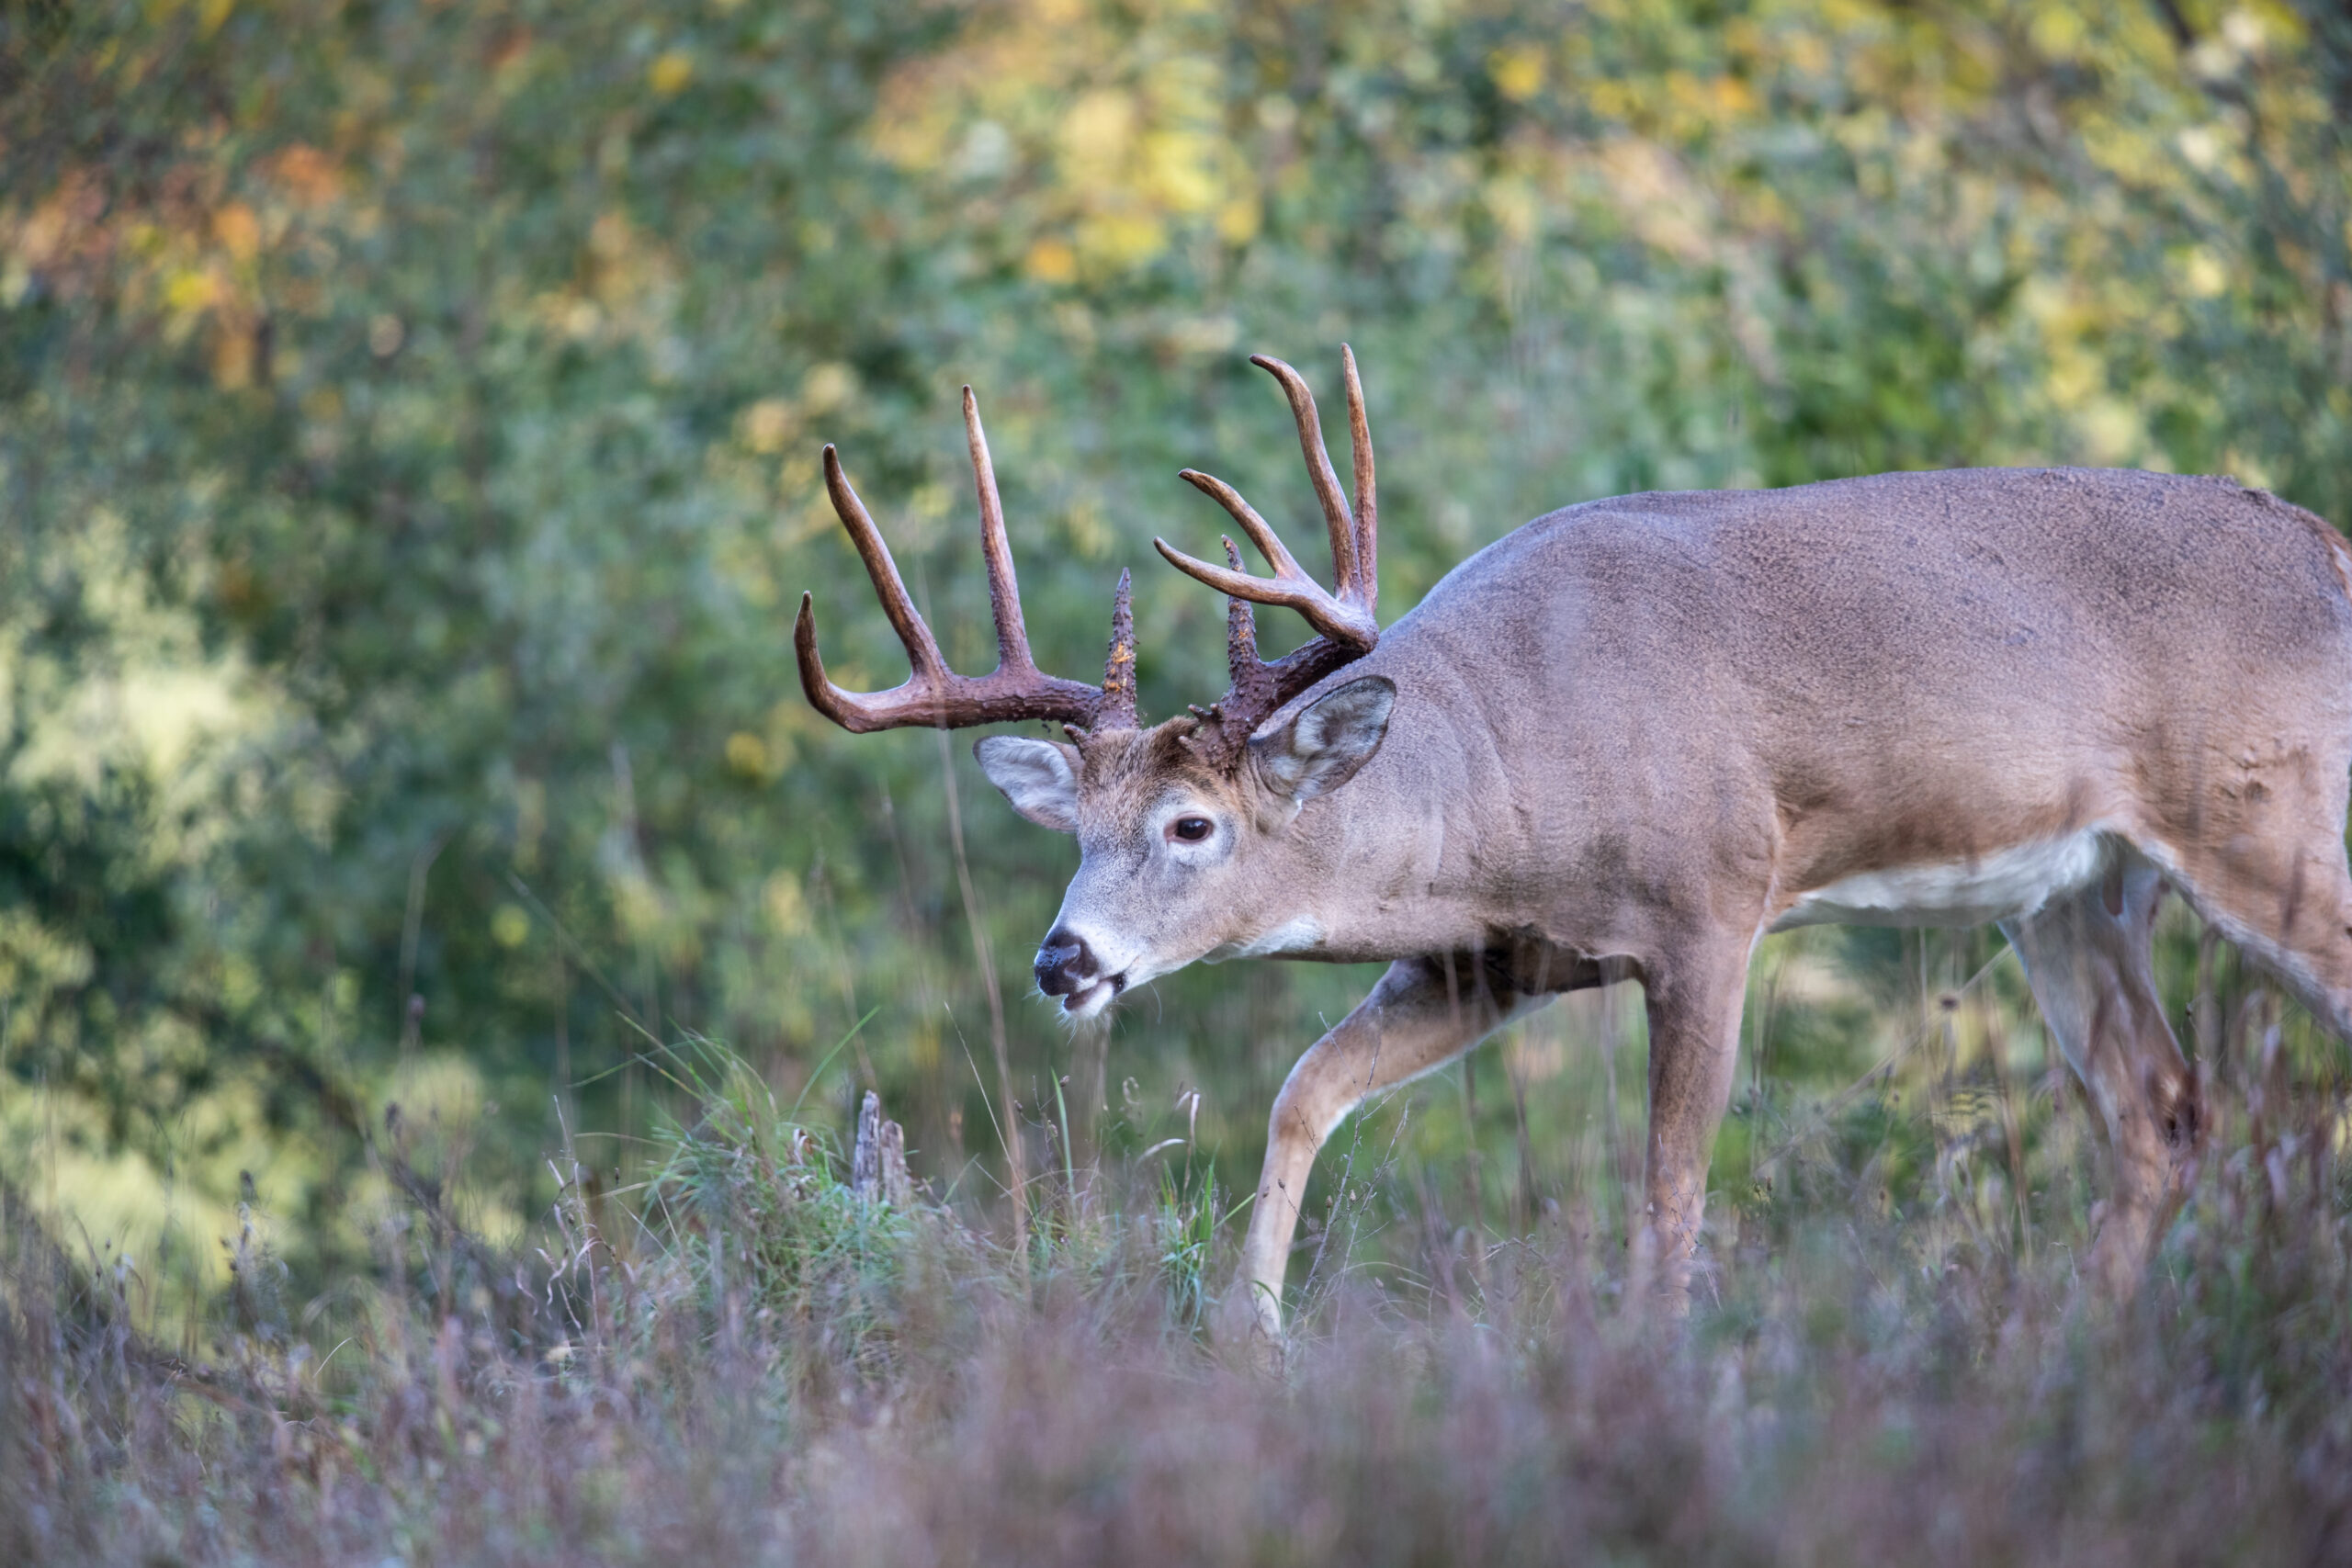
1423 1014
1693 1000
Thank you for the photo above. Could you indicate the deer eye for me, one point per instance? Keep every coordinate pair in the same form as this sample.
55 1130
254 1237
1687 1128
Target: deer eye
1191 829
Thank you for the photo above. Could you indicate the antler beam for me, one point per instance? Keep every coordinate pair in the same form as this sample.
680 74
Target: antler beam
935 695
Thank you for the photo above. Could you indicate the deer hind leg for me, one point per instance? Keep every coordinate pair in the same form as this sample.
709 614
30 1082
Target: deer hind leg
1424 1013
2086 955
2285 901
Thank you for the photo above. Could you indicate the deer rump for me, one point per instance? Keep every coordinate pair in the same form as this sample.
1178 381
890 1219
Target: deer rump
1634 736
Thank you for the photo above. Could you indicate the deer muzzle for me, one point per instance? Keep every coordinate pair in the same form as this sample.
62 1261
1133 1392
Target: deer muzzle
1067 968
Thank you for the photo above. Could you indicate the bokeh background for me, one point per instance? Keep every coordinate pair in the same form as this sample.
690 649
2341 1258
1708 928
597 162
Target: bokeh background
409 420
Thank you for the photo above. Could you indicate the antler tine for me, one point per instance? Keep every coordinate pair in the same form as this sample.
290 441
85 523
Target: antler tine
934 696
1319 469
823 694
1252 685
1269 543
1367 515
1289 577
923 649
1004 590
1118 711
1345 619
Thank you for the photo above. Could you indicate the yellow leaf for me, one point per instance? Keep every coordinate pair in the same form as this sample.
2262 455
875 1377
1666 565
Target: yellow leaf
827 386
2203 274
189 291
2056 31
1097 128
1237 220
1119 239
787 911
670 73
1181 168
308 176
238 230
510 926
766 426
1051 261
1517 71
747 754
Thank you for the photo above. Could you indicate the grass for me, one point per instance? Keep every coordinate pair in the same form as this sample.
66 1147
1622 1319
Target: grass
1893 1359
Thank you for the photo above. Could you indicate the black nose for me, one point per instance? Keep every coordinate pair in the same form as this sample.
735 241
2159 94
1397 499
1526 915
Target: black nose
1065 964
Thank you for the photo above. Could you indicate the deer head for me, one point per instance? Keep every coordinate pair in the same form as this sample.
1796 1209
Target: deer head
1185 827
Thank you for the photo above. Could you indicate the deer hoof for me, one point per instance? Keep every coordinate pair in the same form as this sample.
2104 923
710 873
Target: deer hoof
1246 1328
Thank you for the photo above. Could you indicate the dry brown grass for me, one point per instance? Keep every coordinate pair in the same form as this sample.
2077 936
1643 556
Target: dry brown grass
767 1370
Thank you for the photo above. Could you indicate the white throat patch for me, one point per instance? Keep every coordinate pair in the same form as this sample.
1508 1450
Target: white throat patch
1291 936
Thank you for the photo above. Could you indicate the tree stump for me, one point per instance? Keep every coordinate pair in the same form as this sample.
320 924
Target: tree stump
877 1165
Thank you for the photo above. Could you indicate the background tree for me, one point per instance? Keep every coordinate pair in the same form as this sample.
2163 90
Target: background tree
408 426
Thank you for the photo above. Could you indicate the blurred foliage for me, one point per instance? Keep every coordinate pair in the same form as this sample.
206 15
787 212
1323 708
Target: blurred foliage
409 416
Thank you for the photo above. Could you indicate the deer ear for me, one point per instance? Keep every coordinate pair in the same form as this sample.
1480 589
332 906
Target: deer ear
1323 746
1039 777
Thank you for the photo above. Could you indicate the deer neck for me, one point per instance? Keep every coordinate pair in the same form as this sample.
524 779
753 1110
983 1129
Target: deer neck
1366 874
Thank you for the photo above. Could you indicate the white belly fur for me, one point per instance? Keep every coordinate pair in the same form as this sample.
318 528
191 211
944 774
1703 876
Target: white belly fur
2014 881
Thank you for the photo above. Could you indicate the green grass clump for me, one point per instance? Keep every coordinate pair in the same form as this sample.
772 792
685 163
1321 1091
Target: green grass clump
755 1215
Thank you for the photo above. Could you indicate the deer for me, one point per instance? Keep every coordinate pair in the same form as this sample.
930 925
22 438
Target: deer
1633 737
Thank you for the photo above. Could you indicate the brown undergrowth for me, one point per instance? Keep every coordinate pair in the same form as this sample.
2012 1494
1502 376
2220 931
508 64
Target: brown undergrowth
749 1361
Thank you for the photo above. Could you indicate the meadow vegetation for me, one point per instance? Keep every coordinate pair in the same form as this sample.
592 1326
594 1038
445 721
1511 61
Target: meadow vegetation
754 1361
441 956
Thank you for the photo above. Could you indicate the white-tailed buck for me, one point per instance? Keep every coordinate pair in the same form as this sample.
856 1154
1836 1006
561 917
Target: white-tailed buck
1637 734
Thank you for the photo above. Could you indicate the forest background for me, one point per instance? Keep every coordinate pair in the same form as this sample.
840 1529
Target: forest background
409 419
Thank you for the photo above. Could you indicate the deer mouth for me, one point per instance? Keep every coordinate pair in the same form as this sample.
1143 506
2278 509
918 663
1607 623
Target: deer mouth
1094 996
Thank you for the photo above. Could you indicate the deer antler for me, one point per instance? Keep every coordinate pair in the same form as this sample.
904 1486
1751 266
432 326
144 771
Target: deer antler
935 695
1343 617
